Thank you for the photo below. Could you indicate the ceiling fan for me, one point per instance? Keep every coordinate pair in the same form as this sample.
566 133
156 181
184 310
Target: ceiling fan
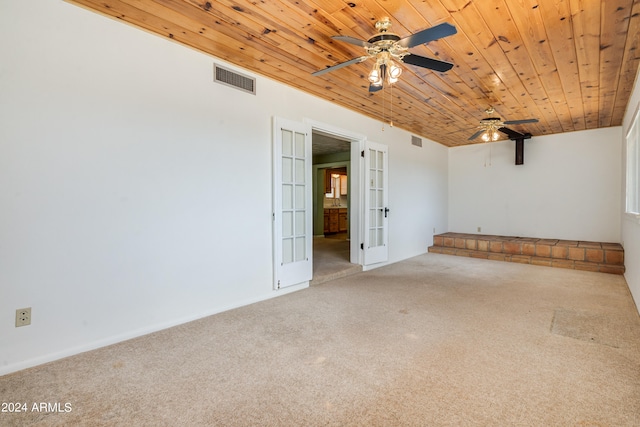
388 49
490 127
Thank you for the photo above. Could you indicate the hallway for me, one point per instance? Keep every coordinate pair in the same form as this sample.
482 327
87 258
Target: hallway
331 258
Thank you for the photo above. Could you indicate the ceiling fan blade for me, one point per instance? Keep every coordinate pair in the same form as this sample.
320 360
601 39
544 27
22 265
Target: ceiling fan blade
425 36
374 88
477 134
340 65
352 40
422 61
519 122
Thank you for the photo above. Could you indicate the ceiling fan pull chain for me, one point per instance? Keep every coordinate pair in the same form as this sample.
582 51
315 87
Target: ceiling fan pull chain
490 145
383 116
391 107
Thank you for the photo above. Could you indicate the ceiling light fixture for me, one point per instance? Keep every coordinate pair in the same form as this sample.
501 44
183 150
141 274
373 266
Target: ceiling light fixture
387 53
490 126
490 134
385 69
389 50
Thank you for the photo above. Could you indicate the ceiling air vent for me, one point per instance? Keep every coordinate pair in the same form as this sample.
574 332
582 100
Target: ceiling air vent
416 141
233 79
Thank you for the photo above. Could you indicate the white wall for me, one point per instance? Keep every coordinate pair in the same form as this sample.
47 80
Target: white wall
136 193
630 225
418 195
568 187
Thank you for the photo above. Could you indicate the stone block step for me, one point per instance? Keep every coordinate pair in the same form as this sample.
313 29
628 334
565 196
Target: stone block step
574 254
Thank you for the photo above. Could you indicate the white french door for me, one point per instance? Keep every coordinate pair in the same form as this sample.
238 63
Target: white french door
376 235
292 203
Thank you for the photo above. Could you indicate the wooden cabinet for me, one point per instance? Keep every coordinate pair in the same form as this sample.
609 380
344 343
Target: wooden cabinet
335 220
334 224
327 181
343 223
326 221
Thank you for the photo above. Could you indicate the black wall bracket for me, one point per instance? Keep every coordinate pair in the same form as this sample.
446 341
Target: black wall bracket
519 139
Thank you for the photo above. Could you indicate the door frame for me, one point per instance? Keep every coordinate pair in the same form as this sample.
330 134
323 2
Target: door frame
356 183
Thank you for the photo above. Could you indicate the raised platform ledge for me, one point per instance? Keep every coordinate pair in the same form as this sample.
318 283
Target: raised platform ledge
574 254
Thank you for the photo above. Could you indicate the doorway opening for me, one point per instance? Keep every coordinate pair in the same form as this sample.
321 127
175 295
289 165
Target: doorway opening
332 208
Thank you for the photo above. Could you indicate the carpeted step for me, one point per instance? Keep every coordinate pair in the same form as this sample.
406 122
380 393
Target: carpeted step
573 254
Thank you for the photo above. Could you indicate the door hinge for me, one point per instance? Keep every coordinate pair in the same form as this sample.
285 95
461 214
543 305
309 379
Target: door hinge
278 285
362 246
362 153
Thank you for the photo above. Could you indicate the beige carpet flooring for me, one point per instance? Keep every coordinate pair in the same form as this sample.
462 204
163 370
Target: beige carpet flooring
436 340
331 259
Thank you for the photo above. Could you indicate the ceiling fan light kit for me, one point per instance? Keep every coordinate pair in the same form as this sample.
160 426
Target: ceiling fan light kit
491 135
492 127
389 50
384 69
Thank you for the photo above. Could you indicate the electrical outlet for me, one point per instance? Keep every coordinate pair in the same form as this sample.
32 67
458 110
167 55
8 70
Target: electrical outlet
23 317
479 229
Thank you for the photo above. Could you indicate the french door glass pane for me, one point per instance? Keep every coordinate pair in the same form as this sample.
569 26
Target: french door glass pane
287 143
300 175
372 238
287 224
300 223
287 196
287 169
372 218
300 145
300 199
287 251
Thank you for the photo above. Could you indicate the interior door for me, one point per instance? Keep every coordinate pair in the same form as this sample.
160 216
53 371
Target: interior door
292 215
376 235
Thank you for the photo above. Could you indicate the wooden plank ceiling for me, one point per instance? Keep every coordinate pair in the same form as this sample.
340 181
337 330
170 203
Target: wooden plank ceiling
569 63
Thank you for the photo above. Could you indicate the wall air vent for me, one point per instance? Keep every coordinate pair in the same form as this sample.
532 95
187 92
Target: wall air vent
233 79
416 141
